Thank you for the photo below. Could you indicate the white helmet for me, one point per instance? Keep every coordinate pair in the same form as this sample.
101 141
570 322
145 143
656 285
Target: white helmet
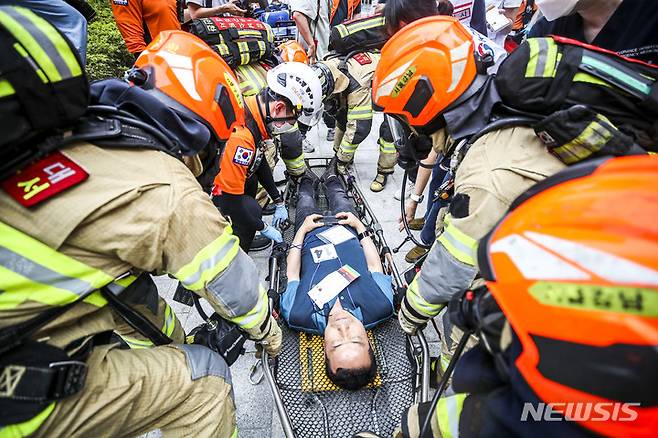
300 85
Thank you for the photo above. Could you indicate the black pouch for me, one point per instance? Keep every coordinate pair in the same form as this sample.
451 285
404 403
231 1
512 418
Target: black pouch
579 133
32 376
220 336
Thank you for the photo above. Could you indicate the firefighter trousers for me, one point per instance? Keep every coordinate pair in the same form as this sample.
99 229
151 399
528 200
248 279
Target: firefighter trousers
183 390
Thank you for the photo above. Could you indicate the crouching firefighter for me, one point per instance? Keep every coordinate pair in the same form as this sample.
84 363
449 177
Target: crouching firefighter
559 255
552 104
91 197
293 93
347 96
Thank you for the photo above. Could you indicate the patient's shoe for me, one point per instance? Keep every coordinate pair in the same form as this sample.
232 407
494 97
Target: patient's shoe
259 243
415 253
378 183
331 171
417 224
331 134
307 147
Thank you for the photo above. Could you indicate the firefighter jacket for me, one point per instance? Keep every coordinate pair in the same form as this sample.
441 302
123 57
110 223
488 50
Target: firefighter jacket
252 79
352 91
140 21
103 217
496 169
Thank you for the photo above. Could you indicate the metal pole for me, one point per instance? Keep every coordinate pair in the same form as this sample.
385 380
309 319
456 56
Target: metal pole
425 370
276 395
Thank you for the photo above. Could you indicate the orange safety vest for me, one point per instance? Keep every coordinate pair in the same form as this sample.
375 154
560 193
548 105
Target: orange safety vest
351 7
239 153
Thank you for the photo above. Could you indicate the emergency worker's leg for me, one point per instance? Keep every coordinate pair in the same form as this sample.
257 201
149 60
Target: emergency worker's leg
306 204
143 296
337 197
243 217
341 122
182 390
292 152
160 15
387 157
269 152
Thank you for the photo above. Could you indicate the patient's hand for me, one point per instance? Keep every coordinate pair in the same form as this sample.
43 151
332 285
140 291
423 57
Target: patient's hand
347 218
311 223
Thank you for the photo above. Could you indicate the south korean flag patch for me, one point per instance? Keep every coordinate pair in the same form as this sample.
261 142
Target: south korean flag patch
243 156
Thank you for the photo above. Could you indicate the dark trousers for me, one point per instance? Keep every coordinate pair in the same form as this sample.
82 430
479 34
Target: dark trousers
336 197
244 211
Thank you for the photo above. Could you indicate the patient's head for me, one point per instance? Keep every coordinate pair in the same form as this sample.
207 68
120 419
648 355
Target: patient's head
350 361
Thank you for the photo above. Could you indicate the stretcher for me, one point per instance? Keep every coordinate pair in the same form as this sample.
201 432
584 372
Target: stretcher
308 404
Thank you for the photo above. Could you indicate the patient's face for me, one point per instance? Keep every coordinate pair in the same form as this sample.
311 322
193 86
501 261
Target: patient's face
345 340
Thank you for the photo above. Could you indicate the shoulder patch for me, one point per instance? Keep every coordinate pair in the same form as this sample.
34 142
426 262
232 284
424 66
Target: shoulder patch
120 2
362 58
44 179
243 156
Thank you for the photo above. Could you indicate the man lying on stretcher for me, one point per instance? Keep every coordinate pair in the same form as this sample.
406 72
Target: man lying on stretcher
336 286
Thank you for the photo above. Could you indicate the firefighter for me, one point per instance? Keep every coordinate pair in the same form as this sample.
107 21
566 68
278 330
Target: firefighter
559 256
79 221
347 96
429 79
293 93
140 21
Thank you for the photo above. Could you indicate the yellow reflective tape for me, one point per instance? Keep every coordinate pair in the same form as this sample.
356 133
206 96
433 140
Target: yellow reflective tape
591 140
551 59
295 163
618 299
32 46
342 30
419 303
256 315
28 427
44 255
169 321
368 24
235 432
533 45
359 112
348 147
448 411
137 343
386 147
5 88
96 299
587 78
458 244
210 261
57 40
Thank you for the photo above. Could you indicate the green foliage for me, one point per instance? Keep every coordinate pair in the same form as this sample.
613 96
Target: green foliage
106 52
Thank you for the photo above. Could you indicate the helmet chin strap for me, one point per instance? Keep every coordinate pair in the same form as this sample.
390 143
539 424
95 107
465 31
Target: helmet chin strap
267 98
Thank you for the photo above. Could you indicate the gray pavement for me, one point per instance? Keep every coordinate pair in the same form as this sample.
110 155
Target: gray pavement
255 414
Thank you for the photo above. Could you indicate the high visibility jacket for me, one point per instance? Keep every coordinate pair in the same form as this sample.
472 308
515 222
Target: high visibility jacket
124 217
241 154
140 21
496 169
352 88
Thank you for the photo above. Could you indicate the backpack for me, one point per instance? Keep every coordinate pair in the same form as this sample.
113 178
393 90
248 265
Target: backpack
363 34
42 88
547 75
239 41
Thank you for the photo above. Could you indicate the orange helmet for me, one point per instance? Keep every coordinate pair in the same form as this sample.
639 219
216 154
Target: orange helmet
292 51
574 268
196 80
424 68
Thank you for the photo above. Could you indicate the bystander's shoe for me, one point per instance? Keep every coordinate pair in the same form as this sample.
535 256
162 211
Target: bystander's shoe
378 183
331 134
407 192
415 253
259 243
417 224
307 147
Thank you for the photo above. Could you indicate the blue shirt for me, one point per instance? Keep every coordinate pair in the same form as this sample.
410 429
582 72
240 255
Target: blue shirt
369 298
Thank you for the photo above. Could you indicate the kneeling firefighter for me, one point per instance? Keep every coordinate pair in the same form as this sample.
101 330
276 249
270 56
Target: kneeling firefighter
553 103
293 93
567 320
92 198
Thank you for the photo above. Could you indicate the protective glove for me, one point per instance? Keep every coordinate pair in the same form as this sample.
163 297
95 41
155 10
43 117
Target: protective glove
280 215
409 319
272 341
272 234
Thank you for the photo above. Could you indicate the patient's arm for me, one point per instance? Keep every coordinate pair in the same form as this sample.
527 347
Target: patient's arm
294 260
369 248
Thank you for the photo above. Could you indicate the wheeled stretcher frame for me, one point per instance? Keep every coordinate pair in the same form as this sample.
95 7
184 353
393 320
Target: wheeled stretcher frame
317 412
